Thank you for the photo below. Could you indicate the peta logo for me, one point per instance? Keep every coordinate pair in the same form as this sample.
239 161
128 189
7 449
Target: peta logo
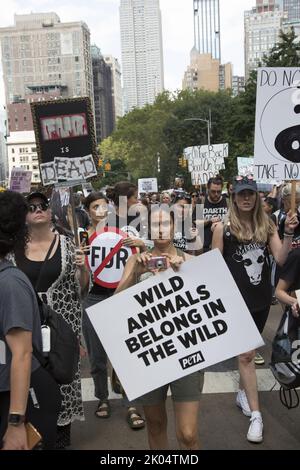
2 353
191 360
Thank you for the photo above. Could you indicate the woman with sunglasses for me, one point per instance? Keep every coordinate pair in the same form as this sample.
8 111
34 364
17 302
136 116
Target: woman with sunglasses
60 286
244 240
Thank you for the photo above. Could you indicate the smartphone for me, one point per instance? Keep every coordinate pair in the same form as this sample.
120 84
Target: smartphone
84 240
157 262
33 436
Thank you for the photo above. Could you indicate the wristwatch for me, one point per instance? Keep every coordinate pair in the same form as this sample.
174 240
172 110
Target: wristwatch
15 419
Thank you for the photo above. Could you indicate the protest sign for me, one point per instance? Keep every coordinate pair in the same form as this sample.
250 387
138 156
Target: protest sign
147 185
174 324
277 126
108 256
20 180
245 166
87 188
65 137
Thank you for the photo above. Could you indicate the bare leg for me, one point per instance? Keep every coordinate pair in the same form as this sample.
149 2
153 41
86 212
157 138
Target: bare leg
248 380
186 417
156 419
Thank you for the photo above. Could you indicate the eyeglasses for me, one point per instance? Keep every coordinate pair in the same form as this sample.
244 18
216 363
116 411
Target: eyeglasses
194 195
34 207
244 179
216 191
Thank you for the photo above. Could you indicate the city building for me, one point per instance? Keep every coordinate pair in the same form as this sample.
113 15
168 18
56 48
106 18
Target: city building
41 54
206 73
206 70
21 153
207 39
142 52
3 160
117 92
104 110
238 85
292 8
262 27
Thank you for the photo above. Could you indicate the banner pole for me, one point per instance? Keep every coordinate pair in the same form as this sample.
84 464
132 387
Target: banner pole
293 196
74 218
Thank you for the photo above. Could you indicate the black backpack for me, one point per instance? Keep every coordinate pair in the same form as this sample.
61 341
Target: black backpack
285 361
62 360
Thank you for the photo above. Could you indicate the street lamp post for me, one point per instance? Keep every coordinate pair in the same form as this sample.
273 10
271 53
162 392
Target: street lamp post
208 123
208 127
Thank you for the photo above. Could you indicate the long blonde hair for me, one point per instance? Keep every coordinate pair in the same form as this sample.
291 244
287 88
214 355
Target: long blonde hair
263 226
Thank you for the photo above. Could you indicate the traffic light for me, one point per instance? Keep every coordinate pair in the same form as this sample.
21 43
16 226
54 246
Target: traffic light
184 162
107 166
100 162
180 161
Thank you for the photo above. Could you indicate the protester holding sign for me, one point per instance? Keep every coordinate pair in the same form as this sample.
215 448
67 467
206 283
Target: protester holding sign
187 390
244 242
96 204
59 286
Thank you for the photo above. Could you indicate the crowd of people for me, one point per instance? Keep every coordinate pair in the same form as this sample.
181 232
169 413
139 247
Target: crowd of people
176 225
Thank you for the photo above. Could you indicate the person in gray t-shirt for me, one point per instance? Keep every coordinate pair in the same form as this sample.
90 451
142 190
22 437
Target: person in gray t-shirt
20 328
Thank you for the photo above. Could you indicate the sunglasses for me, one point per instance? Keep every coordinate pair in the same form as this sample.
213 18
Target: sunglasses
244 179
34 207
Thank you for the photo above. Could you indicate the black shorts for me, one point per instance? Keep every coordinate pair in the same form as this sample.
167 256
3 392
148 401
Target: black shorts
260 318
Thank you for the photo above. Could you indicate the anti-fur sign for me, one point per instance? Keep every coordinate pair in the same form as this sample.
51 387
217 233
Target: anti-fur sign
174 324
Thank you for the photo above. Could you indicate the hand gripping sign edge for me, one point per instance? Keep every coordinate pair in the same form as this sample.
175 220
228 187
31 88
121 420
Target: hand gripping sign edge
108 258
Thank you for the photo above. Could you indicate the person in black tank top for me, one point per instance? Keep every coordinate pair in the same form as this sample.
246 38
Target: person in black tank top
185 392
244 242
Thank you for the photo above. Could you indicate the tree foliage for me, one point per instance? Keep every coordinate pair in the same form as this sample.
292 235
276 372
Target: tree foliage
163 130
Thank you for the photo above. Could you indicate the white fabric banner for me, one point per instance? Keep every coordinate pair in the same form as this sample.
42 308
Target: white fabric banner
174 324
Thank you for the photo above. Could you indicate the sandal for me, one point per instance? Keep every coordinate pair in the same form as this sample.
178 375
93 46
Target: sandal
134 419
103 409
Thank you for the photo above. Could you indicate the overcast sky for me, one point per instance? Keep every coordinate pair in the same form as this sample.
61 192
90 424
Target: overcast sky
102 17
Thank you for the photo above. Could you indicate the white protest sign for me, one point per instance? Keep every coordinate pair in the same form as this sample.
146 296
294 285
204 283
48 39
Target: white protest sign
277 127
108 256
87 188
147 185
245 166
174 324
20 180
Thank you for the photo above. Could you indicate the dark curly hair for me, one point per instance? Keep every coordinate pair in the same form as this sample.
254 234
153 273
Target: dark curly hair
13 229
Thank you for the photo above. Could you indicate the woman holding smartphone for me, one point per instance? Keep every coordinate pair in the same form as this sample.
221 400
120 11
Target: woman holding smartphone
96 204
186 392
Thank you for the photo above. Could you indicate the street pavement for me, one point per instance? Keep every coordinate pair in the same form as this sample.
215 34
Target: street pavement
222 425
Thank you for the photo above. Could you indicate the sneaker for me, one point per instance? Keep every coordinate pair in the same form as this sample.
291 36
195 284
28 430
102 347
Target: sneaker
255 431
242 402
259 360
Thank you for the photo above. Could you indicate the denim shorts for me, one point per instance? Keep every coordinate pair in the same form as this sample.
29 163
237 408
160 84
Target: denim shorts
186 389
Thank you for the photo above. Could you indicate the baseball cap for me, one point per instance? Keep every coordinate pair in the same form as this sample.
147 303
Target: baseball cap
36 194
240 183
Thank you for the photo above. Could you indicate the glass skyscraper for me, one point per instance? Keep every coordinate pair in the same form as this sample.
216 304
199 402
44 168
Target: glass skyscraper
207 27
